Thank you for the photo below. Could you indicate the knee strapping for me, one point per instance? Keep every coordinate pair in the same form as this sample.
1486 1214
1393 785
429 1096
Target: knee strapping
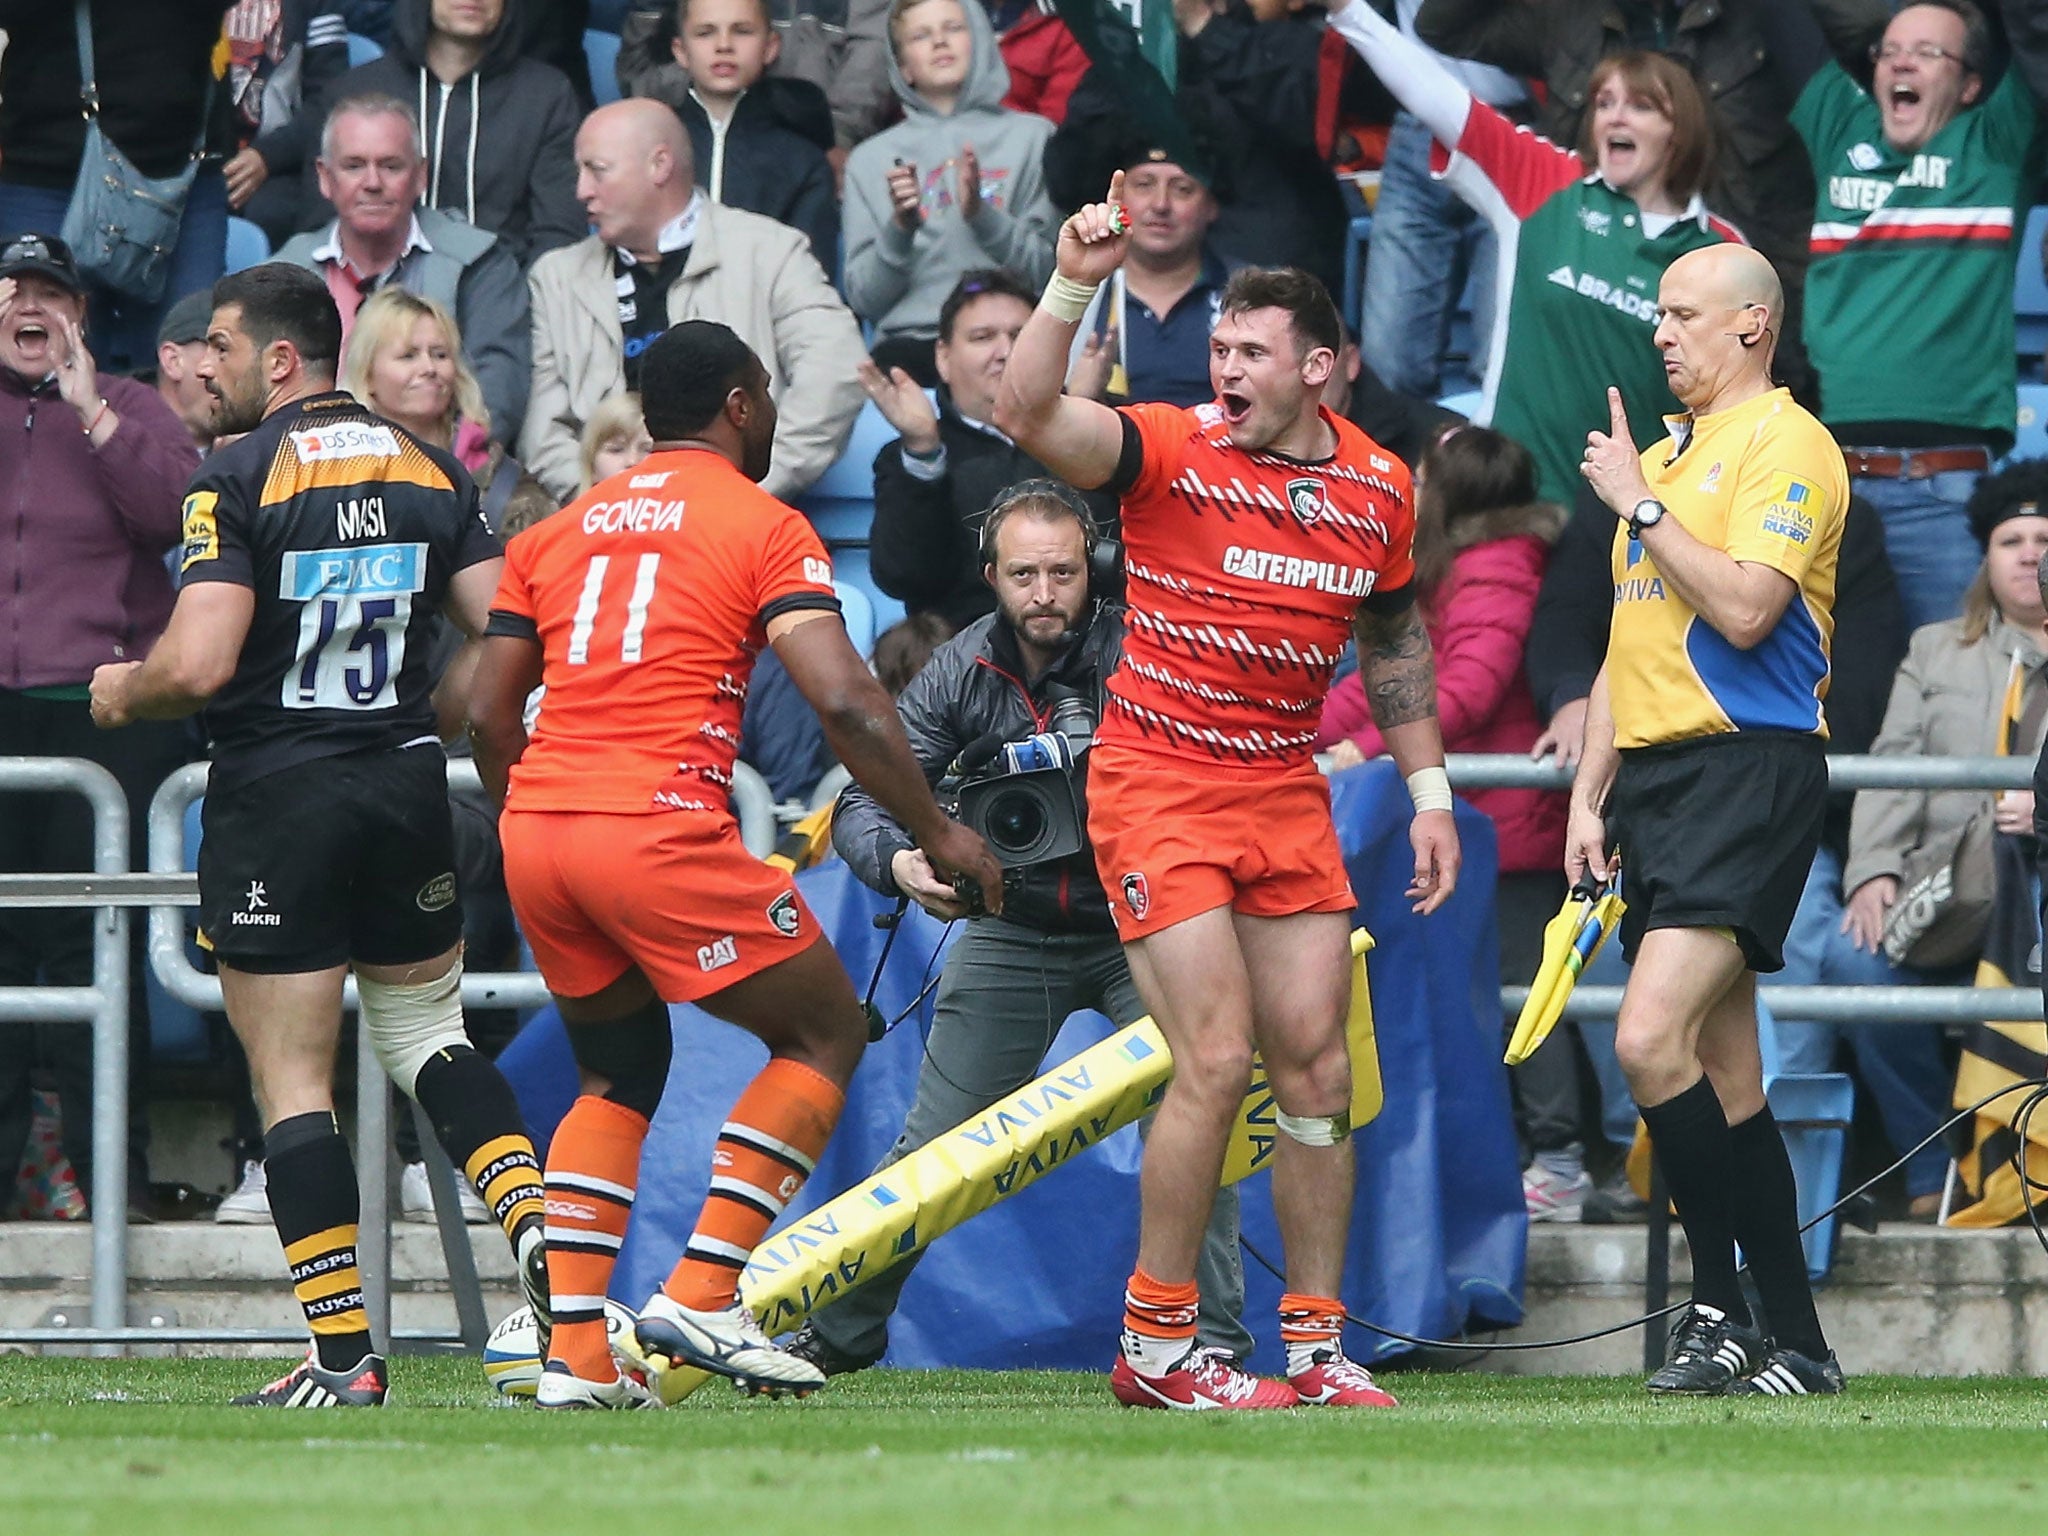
408 1023
1314 1130
631 1053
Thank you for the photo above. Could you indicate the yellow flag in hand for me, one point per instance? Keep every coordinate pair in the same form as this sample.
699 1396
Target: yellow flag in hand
1570 941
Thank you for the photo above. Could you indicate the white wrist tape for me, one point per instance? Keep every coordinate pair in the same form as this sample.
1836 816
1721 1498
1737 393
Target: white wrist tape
1065 299
1430 789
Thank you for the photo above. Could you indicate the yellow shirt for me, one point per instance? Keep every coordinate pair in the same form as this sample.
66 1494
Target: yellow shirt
1765 482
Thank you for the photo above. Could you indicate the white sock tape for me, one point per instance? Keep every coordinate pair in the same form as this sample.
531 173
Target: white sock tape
1430 789
408 1024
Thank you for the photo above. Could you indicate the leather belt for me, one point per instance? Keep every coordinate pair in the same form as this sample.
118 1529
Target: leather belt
1913 463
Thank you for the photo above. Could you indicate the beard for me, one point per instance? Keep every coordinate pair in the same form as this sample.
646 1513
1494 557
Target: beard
238 410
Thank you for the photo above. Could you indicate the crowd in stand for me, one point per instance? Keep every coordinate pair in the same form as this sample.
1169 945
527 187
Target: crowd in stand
868 192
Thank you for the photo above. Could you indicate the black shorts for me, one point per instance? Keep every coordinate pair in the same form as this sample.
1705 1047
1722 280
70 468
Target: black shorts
343 858
1719 833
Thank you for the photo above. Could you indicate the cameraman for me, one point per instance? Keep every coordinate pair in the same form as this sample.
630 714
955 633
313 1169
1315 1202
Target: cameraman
1010 982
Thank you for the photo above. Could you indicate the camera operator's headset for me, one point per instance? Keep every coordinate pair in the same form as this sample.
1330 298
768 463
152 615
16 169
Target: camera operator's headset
1105 555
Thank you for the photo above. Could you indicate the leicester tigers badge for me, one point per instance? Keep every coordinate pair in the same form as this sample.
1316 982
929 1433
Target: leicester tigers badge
783 914
1308 499
1136 896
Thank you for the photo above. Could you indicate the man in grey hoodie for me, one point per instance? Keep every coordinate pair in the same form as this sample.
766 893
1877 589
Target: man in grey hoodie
498 130
957 184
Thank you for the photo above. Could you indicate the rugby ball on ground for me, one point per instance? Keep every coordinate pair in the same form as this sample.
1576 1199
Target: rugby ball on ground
512 1353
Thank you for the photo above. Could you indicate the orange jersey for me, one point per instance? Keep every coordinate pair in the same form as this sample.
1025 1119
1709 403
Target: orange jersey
1245 572
650 597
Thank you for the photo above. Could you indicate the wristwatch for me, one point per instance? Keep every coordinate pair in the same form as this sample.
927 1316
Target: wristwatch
1645 513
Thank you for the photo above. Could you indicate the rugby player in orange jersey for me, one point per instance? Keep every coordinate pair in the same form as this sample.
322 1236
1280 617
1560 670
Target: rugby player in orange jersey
1258 530
641 607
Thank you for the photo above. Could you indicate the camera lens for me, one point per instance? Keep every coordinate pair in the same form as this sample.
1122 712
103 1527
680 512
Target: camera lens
1016 822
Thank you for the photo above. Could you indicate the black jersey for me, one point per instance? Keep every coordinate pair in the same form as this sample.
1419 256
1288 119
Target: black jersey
348 529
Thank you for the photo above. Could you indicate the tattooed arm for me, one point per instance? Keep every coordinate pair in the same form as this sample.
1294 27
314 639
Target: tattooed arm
1399 673
1398 669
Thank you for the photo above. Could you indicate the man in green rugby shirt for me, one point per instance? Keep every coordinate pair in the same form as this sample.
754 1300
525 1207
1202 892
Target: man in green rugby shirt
1920 165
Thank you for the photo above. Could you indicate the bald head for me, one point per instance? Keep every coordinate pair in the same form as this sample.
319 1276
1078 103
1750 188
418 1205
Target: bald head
633 172
1721 309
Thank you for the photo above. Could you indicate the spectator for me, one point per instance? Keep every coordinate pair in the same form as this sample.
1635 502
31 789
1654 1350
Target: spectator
759 142
405 362
1044 61
1735 50
1970 687
96 466
1908 323
373 174
1581 255
935 482
904 647
1481 542
1401 424
495 127
614 439
1428 243
663 253
159 102
1146 334
1253 96
957 184
180 344
282 55
840 46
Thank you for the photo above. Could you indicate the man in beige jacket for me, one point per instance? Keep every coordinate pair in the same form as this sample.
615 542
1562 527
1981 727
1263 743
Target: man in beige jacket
664 253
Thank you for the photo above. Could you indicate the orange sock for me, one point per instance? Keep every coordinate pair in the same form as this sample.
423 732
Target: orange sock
1159 1323
1309 1324
593 1166
764 1154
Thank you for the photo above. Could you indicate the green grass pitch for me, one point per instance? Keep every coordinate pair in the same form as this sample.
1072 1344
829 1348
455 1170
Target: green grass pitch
146 1449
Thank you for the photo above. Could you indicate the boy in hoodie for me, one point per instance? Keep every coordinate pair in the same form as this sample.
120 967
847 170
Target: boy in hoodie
498 129
956 185
759 141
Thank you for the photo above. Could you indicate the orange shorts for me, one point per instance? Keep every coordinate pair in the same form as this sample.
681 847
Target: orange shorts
1172 841
674 893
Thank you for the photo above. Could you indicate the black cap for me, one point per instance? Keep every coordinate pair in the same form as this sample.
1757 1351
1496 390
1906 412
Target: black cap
2018 490
187 320
44 254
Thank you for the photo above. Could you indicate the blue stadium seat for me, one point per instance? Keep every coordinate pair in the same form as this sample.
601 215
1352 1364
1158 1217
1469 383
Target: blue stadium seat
1356 239
601 49
852 475
2030 426
248 246
177 1032
361 50
859 614
1466 403
1813 1111
2030 295
841 506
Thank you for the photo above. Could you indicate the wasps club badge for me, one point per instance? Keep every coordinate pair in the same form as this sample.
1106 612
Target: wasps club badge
1136 896
1308 499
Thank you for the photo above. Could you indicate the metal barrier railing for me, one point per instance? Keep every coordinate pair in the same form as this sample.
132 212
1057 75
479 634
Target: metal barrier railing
104 1005
168 888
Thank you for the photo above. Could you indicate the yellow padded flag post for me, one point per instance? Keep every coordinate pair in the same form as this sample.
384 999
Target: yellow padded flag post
1013 1143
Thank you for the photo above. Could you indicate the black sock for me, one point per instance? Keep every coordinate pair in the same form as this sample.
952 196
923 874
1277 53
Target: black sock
477 1121
1690 1136
1767 1226
312 1183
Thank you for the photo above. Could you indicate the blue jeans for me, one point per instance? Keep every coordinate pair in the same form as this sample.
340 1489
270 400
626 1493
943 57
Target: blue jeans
120 330
1900 1065
1927 538
1426 243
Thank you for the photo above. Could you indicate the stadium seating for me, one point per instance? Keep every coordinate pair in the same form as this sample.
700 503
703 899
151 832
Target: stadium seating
177 1031
859 614
248 246
361 50
2030 295
841 506
601 49
1356 239
2030 428
1813 1111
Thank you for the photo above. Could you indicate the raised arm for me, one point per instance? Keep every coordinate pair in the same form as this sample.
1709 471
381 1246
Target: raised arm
1419 82
1079 440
